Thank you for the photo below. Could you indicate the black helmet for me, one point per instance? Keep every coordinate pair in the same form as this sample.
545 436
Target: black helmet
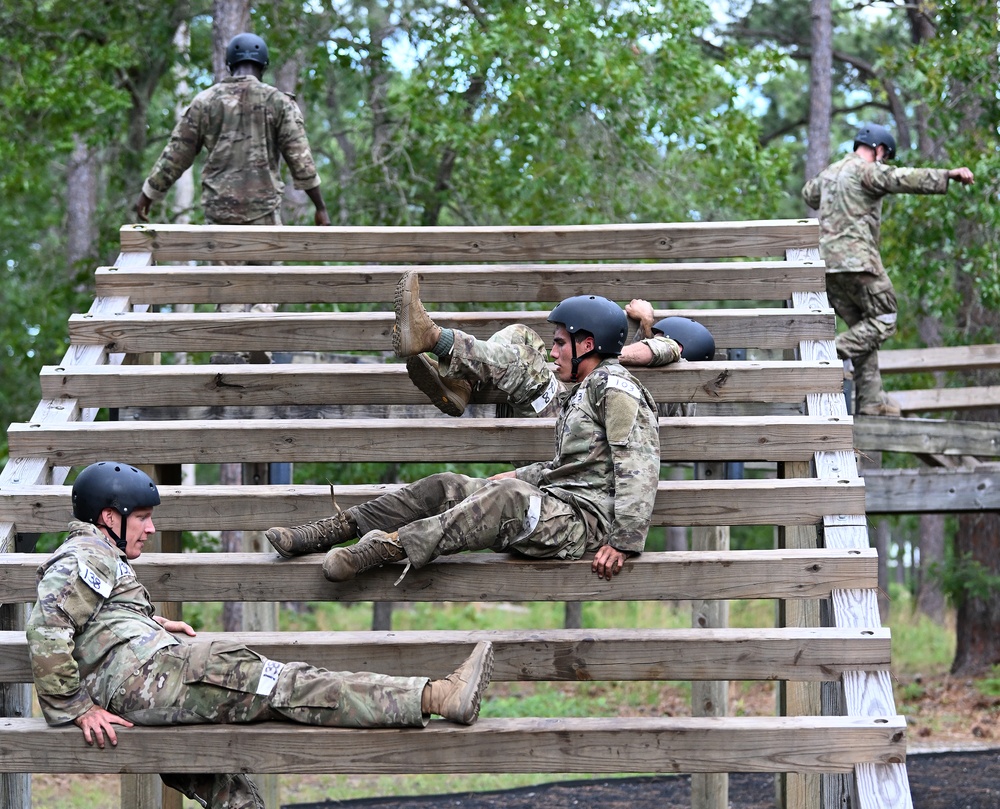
246 48
697 340
112 485
876 135
600 317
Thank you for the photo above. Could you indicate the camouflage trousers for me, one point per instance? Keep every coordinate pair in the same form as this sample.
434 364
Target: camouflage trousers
867 304
513 360
448 513
226 683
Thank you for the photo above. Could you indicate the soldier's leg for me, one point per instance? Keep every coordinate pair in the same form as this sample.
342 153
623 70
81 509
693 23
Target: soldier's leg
514 360
504 515
876 304
218 791
415 501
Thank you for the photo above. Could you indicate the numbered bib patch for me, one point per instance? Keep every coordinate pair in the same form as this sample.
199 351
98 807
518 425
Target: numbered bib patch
624 385
550 393
269 677
95 582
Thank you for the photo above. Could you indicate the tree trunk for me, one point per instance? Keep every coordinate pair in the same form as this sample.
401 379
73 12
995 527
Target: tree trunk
820 92
229 18
81 205
978 642
930 597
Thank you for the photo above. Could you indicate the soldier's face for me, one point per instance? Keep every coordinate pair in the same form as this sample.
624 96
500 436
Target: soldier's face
562 352
139 526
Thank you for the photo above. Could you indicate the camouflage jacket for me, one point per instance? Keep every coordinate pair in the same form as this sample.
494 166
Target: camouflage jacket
91 627
607 460
848 196
245 126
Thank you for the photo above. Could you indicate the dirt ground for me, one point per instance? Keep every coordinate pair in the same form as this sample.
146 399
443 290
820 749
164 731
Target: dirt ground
953 762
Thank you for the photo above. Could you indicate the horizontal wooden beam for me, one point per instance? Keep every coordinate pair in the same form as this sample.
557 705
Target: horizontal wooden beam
552 655
949 358
676 576
927 436
802 501
674 241
745 438
933 399
588 745
371 331
369 383
496 283
922 491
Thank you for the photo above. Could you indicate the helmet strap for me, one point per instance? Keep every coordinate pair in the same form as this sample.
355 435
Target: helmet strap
575 361
120 541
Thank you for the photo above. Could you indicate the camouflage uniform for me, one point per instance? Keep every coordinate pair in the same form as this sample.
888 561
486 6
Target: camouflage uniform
93 640
245 126
848 196
515 361
598 490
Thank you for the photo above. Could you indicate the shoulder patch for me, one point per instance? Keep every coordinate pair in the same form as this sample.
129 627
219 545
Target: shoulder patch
94 581
624 385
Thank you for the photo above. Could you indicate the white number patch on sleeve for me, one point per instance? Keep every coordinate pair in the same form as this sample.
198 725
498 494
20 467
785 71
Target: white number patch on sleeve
625 386
94 582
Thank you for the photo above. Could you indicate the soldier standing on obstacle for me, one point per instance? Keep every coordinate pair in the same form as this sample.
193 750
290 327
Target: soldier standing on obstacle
848 196
100 658
596 494
244 126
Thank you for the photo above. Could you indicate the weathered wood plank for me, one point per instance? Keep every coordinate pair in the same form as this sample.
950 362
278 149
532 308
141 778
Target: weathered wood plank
949 358
347 331
677 576
497 283
750 438
334 384
589 745
971 398
574 655
927 436
672 240
750 501
923 491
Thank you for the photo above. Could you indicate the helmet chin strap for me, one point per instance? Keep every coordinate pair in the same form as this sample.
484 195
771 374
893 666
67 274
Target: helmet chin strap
575 361
120 542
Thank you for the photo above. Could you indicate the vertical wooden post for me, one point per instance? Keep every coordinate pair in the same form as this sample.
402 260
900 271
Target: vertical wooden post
798 790
260 616
710 790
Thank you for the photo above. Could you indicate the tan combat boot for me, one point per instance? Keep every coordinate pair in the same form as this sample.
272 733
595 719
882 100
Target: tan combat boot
413 332
458 696
374 549
887 407
450 396
312 537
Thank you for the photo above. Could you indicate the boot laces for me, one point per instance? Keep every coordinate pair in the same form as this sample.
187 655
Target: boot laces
376 552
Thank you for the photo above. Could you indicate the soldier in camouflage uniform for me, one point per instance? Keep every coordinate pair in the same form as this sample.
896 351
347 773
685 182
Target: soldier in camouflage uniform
596 494
101 658
848 196
245 127
514 361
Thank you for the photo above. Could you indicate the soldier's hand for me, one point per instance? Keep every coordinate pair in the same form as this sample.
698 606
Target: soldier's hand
963 175
175 626
503 475
321 218
608 562
641 311
142 207
97 722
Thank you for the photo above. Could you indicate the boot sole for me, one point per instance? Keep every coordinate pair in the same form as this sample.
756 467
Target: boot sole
397 332
428 382
482 679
